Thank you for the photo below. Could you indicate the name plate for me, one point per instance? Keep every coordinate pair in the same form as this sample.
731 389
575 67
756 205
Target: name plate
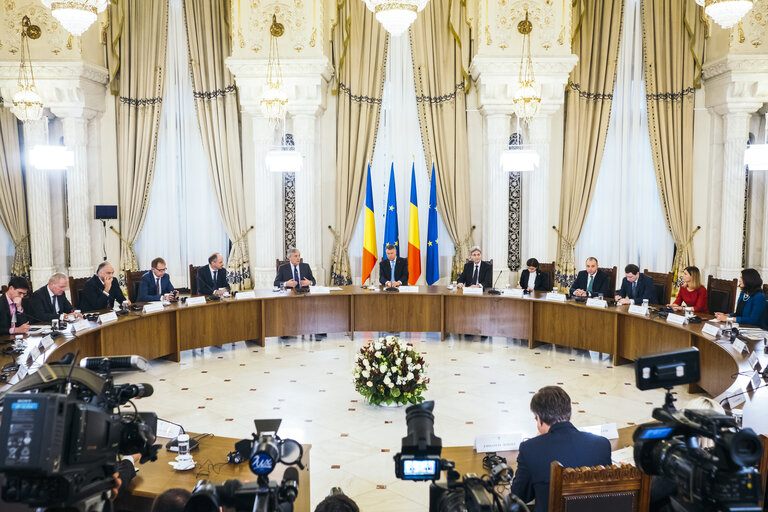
152 307
498 442
634 309
757 381
739 345
196 301
245 295
753 361
711 330
556 297
676 319
21 372
469 291
414 289
739 398
108 317
81 325
597 303
607 430
518 293
34 353
46 342
320 290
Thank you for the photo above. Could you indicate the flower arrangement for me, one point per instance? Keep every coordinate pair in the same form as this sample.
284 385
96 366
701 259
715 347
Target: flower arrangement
389 371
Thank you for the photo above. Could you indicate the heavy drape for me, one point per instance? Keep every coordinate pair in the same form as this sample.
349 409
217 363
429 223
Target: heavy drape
673 45
588 98
13 208
441 53
218 116
138 35
359 57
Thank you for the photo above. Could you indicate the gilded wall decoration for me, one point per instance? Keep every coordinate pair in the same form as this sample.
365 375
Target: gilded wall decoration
501 21
754 29
55 40
251 20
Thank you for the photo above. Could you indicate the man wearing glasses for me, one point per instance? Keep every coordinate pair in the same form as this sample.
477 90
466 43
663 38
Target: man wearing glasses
12 317
156 285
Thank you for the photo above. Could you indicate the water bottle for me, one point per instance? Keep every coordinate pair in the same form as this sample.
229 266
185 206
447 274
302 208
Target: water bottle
647 309
183 444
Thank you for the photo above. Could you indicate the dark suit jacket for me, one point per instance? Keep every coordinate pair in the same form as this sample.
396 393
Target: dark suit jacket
93 298
540 284
600 284
484 275
563 443
401 271
205 284
5 315
285 273
39 307
148 287
646 289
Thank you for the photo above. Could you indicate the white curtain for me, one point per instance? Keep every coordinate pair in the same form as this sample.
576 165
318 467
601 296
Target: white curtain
625 223
183 225
7 252
399 141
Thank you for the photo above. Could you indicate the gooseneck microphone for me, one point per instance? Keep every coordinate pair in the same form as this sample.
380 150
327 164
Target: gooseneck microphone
289 489
494 291
117 363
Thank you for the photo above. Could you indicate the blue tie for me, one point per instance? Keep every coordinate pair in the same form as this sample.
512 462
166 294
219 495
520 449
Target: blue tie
296 273
634 290
392 272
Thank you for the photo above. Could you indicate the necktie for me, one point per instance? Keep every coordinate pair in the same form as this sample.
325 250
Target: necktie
296 273
475 276
159 290
634 289
589 285
53 303
392 271
215 273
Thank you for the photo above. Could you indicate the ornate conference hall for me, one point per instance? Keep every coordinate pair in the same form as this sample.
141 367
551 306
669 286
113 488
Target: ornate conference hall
326 211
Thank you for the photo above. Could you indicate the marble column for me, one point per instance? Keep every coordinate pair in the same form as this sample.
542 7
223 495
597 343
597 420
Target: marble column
496 194
75 130
538 203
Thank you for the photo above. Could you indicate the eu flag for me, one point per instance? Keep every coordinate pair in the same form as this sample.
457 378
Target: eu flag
433 259
391 232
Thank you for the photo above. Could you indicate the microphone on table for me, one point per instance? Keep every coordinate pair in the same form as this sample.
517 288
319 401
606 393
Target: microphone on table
289 488
494 291
103 364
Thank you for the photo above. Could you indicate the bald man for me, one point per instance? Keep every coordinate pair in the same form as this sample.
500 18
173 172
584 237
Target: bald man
102 291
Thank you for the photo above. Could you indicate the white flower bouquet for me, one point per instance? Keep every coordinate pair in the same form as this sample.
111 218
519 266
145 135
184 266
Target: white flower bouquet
389 371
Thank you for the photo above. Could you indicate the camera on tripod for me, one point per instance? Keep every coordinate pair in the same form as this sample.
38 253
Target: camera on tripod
720 478
420 460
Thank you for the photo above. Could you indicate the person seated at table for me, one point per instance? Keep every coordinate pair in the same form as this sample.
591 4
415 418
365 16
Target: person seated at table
13 320
50 302
636 287
102 291
750 308
477 273
558 440
294 273
591 282
212 279
156 284
692 294
531 278
393 270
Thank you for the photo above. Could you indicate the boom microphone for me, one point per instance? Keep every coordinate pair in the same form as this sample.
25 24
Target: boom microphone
105 364
494 291
130 391
289 488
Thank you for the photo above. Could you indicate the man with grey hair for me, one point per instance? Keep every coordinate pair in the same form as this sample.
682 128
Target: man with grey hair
477 273
49 302
295 273
102 291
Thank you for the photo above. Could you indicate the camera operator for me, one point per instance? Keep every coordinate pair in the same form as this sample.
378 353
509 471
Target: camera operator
171 500
558 440
337 502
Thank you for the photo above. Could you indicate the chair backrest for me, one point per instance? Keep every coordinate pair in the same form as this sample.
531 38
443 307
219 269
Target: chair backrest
598 489
76 285
193 279
549 269
3 289
663 284
611 277
721 295
763 467
132 278
279 263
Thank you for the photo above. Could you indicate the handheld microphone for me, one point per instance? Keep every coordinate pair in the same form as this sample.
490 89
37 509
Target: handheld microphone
289 487
494 291
104 364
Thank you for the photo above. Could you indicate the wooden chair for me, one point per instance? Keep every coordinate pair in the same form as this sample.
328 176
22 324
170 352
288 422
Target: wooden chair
3 289
76 285
549 269
721 295
132 278
663 284
598 489
279 263
612 278
490 262
763 467
193 279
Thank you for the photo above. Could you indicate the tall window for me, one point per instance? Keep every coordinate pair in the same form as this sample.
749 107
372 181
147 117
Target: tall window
183 223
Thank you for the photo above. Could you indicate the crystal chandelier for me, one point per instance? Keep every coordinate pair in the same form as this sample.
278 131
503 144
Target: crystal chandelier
76 15
27 104
274 99
396 15
726 13
527 98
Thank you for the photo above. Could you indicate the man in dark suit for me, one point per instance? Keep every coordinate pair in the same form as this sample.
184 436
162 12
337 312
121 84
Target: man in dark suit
295 273
531 278
635 287
393 270
212 279
155 284
49 302
12 317
477 273
102 290
558 440
591 282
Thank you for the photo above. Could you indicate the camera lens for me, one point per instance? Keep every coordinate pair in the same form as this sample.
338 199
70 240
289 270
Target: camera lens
264 456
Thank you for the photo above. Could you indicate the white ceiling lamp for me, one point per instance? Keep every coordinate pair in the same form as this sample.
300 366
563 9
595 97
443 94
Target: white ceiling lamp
396 15
519 157
274 98
527 98
76 15
726 13
27 104
284 158
51 158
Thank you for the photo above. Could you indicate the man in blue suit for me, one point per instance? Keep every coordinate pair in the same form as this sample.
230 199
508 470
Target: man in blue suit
635 287
212 279
155 284
558 440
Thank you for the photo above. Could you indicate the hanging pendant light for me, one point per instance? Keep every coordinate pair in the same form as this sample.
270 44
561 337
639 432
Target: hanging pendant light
76 15
27 104
274 98
527 98
726 13
396 15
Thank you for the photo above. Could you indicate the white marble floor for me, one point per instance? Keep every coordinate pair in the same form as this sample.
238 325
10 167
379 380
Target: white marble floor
479 386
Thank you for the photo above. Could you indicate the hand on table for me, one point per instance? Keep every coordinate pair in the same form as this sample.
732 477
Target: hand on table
306 282
722 317
21 329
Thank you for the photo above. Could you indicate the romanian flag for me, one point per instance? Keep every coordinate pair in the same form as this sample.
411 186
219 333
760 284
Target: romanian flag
414 248
369 238
433 260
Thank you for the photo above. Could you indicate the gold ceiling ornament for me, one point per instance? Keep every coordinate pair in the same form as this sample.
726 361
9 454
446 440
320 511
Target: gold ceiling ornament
726 13
274 98
527 98
27 104
76 15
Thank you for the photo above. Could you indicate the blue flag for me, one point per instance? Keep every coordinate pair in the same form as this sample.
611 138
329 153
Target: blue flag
391 231
433 259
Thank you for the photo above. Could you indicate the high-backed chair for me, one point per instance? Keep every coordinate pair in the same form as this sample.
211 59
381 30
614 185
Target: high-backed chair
763 466
132 278
721 295
193 279
4 289
663 284
549 269
279 263
599 489
490 262
76 285
611 277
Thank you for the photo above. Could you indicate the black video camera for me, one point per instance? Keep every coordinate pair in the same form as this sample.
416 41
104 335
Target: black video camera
717 478
61 435
419 460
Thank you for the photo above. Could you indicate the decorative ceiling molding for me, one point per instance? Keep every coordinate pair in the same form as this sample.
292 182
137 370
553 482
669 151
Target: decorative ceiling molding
303 21
736 83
